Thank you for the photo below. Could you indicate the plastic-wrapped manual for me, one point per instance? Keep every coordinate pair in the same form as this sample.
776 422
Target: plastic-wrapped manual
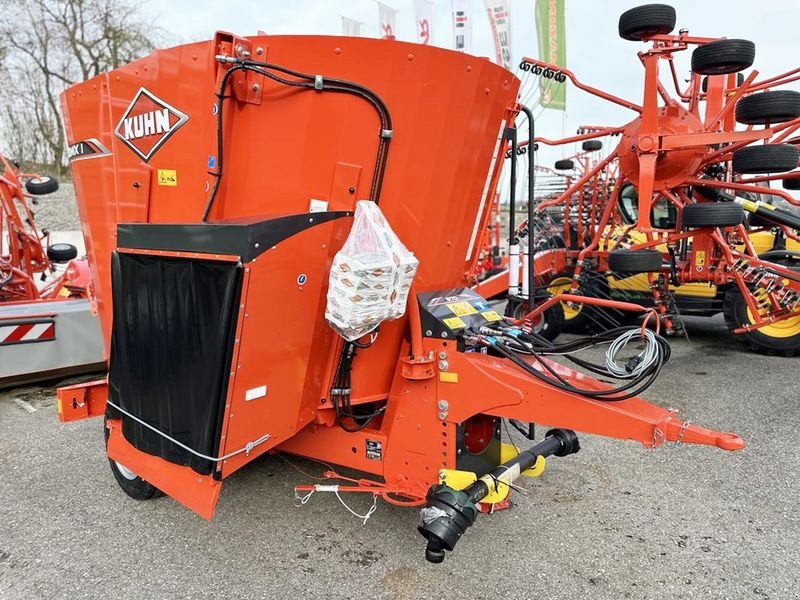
370 276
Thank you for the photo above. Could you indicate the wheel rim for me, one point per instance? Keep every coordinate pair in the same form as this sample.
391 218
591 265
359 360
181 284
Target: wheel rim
125 472
536 323
782 329
559 285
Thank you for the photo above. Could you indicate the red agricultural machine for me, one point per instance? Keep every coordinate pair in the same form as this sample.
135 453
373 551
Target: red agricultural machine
661 218
233 170
46 324
25 253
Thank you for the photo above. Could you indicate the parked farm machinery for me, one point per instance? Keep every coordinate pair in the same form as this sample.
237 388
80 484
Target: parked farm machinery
661 218
47 328
238 164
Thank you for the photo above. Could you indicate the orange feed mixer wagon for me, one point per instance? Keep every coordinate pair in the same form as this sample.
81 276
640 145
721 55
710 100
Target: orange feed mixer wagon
232 171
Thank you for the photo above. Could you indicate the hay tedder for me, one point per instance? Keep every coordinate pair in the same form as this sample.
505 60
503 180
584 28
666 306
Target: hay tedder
680 214
46 324
233 170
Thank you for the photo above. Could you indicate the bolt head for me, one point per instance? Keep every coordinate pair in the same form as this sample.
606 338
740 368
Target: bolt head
443 365
442 355
442 404
442 416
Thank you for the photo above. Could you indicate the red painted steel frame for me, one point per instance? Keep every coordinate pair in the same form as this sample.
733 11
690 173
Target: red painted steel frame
282 149
665 149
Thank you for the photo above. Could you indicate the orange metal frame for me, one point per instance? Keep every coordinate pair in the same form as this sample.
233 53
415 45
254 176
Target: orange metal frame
283 148
662 152
26 251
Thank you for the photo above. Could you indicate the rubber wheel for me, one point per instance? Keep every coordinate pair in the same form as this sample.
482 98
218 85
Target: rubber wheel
712 215
585 318
791 184
644 21
550 323
773 158
61 252
704 82
768 107
723 56
780 339
624 261
565 165
133 485
39 186
592 145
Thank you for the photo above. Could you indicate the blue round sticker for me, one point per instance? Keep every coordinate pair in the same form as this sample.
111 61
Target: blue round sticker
301 279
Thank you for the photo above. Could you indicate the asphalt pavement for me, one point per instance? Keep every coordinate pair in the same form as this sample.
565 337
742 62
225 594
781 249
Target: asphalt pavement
614 521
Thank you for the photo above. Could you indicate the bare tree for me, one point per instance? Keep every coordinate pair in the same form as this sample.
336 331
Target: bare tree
48 45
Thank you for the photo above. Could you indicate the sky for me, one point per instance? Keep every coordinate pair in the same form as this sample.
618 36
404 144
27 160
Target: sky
595 52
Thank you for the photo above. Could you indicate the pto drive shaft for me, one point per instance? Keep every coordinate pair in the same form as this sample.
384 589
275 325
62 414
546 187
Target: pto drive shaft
448 512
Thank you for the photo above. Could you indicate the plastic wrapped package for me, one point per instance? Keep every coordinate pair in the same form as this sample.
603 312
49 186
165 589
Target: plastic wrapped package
370 276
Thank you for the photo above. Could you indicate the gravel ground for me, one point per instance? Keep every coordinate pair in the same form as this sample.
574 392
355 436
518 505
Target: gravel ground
58 211
615 521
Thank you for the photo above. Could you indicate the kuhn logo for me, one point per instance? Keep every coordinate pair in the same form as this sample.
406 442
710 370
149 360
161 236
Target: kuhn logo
148 123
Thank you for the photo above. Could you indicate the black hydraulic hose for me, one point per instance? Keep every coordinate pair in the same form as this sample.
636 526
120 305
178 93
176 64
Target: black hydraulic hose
638 385
312 82
511 134
531 181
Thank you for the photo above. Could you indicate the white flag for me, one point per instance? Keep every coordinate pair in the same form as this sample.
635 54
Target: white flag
462 26
387 22
424 14
351 27
500 19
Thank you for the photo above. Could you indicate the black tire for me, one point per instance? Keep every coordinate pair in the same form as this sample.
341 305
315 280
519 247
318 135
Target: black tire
772 158
565 165
586 318
61 252
704 82
768 107
723 56
712 215
550 323
135 487
734 308
592 145
624 261
791 184
39 186
643 21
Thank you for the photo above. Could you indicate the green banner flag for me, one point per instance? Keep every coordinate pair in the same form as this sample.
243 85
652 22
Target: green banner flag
551 31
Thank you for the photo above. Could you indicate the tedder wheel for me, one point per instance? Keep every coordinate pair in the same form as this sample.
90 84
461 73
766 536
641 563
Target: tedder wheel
791 184
772 158
644 21
768 107
583 318
39 186
723 56
565 165
133 485
704 82
630 262
61 252
548 325
781 338
718 214
592 145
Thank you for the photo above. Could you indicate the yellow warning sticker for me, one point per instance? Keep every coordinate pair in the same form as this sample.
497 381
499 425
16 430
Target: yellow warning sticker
454 323
168 177
460 309
491 315
700 258
447 377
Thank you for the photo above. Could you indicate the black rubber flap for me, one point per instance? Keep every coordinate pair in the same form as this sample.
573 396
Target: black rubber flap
171 346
